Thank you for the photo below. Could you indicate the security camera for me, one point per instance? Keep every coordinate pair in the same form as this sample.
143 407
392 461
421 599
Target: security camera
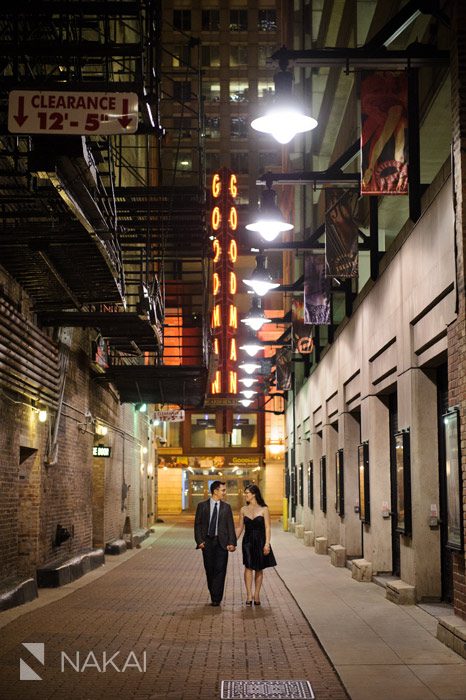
162 440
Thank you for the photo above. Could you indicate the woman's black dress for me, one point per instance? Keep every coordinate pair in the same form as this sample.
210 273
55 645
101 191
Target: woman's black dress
253 544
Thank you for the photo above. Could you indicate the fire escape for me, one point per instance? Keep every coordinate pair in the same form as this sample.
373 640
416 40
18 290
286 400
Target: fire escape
89 228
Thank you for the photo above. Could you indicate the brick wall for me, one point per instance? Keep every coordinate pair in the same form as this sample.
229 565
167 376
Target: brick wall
456 332
79 492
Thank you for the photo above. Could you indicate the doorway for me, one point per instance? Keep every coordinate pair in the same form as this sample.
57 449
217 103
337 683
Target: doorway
393 427
446 556
199 489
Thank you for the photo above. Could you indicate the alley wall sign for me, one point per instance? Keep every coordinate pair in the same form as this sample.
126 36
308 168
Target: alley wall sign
171 415
45 112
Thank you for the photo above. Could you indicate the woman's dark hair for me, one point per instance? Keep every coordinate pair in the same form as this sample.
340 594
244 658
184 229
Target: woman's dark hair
255 490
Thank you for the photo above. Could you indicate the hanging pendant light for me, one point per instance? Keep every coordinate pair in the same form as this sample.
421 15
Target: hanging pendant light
248 393
251 346
249 367
260 279
285 118
255 318
269 221
247 381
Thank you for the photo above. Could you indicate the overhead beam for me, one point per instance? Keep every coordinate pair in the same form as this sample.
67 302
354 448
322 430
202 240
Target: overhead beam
415 56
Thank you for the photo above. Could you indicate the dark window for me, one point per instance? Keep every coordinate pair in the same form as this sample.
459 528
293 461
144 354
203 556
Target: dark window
267 21
239 127
182 20
182 90
238 20
210 20
210 56
239 163
266 160
183 125
212 162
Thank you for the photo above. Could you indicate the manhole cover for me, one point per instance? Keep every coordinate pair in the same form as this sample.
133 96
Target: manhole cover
266 690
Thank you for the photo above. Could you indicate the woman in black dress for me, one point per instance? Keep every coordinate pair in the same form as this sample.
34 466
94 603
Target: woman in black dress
254 518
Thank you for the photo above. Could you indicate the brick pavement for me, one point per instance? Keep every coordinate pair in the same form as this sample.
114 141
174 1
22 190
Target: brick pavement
157 601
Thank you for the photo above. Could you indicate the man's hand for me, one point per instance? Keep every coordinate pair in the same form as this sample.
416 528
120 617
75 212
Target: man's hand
231 547
201 546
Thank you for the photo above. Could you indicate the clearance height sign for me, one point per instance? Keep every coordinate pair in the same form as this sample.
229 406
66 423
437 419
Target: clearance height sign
224 322
43 112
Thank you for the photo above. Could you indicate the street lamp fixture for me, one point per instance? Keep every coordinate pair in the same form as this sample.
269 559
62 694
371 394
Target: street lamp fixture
249 367
285 119
248 393
260 280
269 221
255 318
248 381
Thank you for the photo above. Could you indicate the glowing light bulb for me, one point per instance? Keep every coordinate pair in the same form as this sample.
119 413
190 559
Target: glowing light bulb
248 381
248 393
42 416
249 367
245 402
283 123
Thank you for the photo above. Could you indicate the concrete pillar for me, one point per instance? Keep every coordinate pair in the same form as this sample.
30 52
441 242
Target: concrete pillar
320 521
330 446
377 535
349 439
420 554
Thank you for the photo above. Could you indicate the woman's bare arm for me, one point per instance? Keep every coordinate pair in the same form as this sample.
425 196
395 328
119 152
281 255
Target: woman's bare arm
240 528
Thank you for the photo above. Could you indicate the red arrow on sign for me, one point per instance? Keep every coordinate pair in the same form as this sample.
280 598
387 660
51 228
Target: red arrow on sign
125 120
21 118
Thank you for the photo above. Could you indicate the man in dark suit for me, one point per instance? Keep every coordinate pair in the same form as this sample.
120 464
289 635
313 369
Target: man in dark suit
214 532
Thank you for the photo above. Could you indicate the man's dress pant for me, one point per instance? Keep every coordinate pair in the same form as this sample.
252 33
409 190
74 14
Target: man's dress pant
215 564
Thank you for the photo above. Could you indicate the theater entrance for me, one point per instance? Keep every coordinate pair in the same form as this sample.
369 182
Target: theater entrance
197 486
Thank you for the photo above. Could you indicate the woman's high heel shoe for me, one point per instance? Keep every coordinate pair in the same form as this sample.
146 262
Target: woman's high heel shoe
249 602
257 602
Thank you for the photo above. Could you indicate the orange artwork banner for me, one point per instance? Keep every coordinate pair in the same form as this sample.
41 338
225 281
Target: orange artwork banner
384 132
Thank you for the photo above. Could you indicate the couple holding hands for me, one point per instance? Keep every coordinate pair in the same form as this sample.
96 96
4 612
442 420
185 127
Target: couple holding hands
216 535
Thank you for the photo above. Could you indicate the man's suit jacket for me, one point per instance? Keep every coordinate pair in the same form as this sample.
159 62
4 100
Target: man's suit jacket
226 525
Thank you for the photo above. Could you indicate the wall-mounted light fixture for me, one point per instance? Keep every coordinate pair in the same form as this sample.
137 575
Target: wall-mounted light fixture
248 381
260 279
285 118
255 318
249 367
245 402
269 220
248 393
101 429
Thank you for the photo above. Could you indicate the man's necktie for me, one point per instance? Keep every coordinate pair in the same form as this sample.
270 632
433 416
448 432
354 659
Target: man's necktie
213 522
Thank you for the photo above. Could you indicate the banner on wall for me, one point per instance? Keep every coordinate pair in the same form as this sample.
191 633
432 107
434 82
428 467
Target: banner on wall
341 233
283 362
316 291
302 331
384 132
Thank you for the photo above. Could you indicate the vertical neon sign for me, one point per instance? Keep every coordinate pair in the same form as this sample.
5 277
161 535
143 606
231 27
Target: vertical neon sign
224 320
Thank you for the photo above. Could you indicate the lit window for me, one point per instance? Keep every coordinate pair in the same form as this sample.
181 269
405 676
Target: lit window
266 90
210 56
239 91
239 127
211 91
267 21
212 127
238 55
264 52
238 20
181 55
